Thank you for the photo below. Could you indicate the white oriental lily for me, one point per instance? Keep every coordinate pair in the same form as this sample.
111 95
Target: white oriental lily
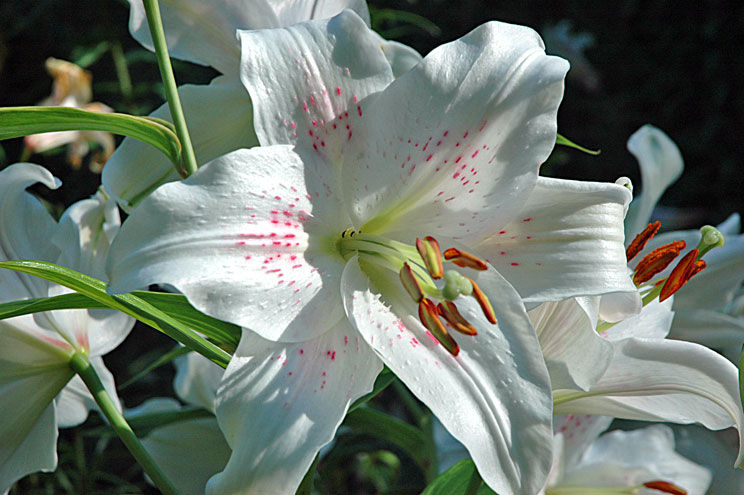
703 308
642 461
647 376
36 394
301 240
219 114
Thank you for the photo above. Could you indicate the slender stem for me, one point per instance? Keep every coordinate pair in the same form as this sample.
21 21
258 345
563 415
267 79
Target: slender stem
155 23
80 365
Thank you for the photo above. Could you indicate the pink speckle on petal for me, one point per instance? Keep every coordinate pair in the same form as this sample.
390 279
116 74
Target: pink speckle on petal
338 91
527 220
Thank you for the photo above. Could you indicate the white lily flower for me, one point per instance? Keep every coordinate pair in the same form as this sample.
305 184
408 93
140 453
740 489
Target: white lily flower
700 305
36 394
649 377
642 461
219 114
323 308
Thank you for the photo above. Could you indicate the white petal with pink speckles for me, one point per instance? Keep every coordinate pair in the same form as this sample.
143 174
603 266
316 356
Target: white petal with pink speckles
566 241
245 239
278 404
662 380
493 397
305 81
454 145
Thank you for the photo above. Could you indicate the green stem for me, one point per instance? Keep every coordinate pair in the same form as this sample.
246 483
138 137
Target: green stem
80 365
155 23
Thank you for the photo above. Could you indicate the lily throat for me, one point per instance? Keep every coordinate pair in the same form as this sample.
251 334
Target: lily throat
421 271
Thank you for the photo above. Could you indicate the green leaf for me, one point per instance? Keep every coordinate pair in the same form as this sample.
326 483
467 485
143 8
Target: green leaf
564 141
399 433
126 303
385 378
158 362
176 305
64 301
460 479
23 121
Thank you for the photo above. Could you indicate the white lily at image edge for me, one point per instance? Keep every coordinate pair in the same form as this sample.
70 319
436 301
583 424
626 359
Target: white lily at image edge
219 114
310 243
38 393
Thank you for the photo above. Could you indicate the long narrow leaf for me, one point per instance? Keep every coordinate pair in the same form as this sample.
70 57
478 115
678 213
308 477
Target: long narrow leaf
564 141
176 305
126 303
23 121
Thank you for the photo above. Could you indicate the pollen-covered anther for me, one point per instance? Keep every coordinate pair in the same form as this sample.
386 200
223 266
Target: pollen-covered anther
682 273
430 252
464 259
430 319
410 283
483 302
639 241
666 487
656 261
449 312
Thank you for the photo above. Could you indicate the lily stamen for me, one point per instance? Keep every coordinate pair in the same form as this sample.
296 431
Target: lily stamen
666 487
429 317
464 259
483 301
639 241
449 312
656 261
432 256
682 273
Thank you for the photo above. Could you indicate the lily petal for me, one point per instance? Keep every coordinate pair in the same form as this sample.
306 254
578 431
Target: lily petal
220 119
662 380
576 356
32 372
712 329
493 396
305 78
627 458
197 379
25 229
661 165
651 323
278 404
578 432
566 241
235 239
454 145
204 33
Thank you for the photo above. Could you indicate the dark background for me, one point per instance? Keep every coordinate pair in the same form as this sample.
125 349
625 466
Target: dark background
676 65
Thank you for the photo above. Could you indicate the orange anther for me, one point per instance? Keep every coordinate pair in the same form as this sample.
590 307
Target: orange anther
483 301
699 267
430 319
641 239
432 256
449 312
656 261
666 487
464 259
683 272
410 283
